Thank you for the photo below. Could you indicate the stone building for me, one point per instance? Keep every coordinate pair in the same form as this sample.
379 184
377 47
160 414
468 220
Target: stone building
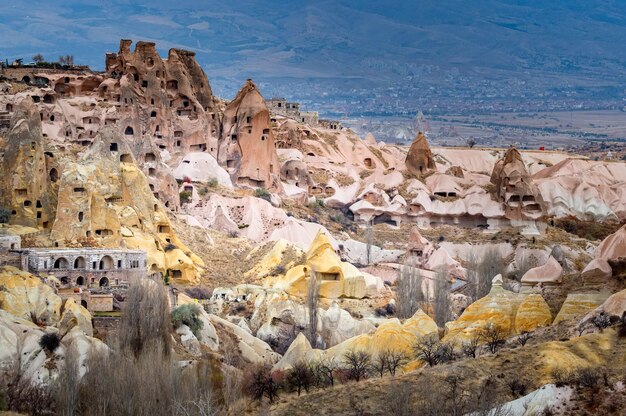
282 107
87 267
10 242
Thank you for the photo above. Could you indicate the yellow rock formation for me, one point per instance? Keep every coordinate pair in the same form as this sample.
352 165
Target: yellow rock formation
576 305
511 312
338 279
25 296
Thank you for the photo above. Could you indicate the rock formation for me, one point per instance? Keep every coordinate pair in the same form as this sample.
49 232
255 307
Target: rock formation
247 148
419 159
105 197
515 188
30 172
337 278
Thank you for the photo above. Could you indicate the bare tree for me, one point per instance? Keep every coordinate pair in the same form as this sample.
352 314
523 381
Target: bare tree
312 301
494 336
441 298
481 271
395 359
38 58
146 318
409 293
400 400
67 386
325 371
22 395
379 363
66 60
471 142
427 349
261 383
357 364
300 377
369 235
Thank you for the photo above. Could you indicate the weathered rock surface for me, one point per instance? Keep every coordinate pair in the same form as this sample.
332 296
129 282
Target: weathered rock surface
577 305
512 312
419 159
549 273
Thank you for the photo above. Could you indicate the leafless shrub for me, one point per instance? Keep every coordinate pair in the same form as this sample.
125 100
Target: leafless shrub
24 396
587 377
517 387
260 383
409 293
561 377
470 347
431 350
399 400
369 237
357 365
494 336
523 338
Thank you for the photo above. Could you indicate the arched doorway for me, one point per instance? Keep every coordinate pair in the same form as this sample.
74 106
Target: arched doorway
80 281
54 175
83 303
61 263
65 280
80 263
104 282
106 263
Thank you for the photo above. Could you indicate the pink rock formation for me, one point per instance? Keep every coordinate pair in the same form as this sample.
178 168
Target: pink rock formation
551 272
248 147
419 159
515 188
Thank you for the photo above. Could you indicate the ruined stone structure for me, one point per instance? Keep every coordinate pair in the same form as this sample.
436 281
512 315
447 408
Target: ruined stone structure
87 267
515 188
9 242
419 159
282 107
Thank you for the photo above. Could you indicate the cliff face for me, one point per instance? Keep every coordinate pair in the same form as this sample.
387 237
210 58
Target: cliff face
516 189
104 196
29 172
247 147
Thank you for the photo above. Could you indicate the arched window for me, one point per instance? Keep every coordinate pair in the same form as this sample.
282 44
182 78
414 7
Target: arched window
106 263
61 263
80 263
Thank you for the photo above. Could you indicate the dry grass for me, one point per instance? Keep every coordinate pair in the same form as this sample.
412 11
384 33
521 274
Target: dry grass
343 179
534 362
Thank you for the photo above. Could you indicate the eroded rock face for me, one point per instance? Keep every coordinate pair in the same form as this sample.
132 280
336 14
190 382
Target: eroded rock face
512 312
247 148
105 197
549 273
515 188
419 159
29 174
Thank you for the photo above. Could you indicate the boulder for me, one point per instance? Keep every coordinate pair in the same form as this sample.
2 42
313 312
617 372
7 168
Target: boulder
598 270
202 167
549 273
75 315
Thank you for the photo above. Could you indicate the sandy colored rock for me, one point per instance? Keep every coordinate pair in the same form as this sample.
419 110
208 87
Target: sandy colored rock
532 313
511 312
25 296
337 278
75 315
598 270
248 150
577 305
